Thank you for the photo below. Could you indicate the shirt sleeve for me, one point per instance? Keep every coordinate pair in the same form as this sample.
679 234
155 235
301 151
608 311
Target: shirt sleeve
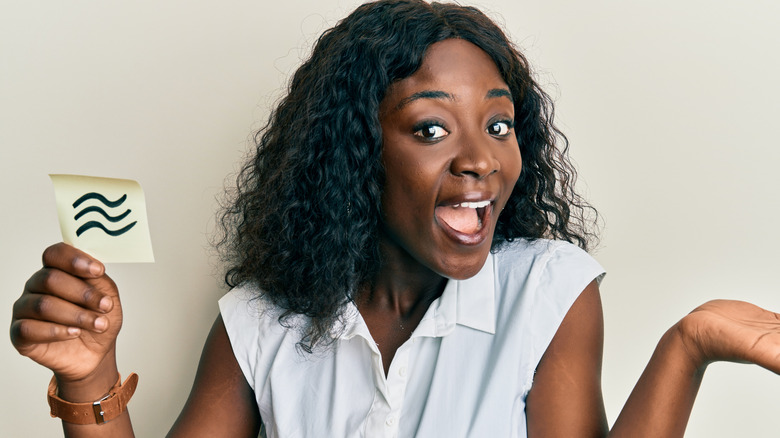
242 328
565 272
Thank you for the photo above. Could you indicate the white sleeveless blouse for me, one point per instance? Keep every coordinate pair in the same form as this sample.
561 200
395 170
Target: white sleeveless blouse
465 371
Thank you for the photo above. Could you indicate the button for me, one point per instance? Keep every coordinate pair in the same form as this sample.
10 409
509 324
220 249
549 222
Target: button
390 420
402 371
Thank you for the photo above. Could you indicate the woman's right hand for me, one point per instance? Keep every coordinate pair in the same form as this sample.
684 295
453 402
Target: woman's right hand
68 317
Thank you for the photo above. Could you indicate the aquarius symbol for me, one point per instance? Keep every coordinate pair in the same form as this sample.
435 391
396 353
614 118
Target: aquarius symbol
101 198
95 224
95 209
103 212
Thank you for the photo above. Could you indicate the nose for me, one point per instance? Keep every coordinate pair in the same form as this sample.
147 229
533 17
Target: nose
475 158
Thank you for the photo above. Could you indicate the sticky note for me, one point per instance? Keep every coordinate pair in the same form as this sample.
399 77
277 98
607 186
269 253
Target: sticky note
104 217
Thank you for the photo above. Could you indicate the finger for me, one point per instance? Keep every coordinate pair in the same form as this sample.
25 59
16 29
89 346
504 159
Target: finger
54 282
52 309
73 261
27 333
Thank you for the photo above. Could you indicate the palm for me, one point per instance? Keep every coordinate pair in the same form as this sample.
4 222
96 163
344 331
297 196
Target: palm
738 331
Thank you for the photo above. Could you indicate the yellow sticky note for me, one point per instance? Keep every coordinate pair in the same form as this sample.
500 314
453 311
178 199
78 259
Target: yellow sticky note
105 217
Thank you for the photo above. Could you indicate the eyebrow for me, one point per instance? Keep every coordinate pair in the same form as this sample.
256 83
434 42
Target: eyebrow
436 94
427 94
499 92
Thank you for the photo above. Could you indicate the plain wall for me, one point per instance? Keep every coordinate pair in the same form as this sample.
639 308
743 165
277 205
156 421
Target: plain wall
670 108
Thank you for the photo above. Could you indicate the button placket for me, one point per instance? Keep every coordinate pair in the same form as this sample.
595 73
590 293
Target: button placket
381 408
396 386
396 378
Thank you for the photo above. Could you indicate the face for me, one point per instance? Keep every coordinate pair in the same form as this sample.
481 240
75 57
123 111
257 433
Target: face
451 159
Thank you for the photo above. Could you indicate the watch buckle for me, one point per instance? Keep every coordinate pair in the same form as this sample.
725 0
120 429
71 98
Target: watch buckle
98 409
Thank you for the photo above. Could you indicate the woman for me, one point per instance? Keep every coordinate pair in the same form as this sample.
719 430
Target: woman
393 277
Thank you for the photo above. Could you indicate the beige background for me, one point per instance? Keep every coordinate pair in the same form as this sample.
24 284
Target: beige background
671 108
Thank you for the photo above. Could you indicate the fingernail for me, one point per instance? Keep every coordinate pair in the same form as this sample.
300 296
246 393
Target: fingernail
74 331
105 304
101 323
95 269
81 264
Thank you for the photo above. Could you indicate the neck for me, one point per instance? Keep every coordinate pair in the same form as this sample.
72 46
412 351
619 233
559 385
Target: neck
403 286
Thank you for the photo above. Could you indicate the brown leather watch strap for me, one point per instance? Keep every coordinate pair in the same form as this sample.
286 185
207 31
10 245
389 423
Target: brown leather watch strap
98 412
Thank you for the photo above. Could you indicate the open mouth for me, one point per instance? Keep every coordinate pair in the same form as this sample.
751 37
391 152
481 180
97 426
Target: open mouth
465 218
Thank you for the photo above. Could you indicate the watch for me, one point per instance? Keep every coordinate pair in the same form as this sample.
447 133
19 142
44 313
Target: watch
100 411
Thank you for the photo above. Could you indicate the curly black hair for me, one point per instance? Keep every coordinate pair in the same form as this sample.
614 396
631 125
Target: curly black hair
303 221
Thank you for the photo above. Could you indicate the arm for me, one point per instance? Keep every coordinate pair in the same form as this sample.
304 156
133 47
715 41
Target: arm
662 399
566 400
221 403
720 330
67 319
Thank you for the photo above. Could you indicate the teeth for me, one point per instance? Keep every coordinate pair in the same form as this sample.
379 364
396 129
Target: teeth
479 204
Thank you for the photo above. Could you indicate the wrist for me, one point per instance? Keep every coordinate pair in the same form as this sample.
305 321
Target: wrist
688 337
91 387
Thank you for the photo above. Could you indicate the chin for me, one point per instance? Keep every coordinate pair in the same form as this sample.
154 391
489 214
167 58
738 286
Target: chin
466 269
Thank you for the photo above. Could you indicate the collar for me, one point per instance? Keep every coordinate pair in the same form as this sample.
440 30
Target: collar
477 299
469 302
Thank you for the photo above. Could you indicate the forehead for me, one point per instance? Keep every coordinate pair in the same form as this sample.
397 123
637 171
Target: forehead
453 65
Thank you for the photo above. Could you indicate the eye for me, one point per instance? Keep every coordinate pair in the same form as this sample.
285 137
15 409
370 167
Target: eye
430 131
500 129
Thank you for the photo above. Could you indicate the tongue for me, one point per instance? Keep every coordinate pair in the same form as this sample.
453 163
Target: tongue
461 219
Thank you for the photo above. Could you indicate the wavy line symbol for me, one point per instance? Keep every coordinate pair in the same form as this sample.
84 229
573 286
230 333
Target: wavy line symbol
97 209
101 198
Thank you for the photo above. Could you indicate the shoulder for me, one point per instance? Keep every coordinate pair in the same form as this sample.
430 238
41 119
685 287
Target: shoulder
540 249
253 325
245 300
245 306
546 263
537 282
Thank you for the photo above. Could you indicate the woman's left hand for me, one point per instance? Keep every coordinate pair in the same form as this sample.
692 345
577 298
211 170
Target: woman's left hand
735 331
